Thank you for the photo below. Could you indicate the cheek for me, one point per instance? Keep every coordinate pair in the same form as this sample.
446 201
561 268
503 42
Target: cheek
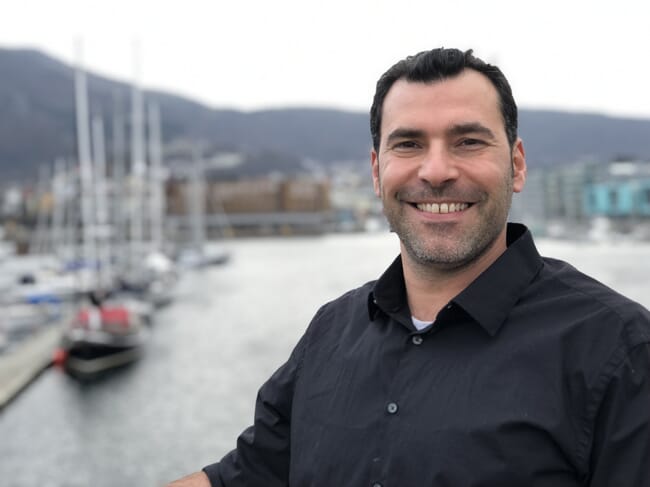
394 173
489 175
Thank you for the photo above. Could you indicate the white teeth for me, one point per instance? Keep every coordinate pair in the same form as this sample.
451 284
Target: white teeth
442 207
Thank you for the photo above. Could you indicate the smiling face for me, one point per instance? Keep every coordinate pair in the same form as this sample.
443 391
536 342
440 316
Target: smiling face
445 171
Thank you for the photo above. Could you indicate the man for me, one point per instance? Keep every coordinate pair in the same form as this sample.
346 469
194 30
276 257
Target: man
472 361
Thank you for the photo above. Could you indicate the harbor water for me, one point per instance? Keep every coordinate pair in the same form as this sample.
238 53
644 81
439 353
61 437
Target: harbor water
183 404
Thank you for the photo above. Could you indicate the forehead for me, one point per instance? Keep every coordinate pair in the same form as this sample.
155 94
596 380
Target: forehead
468 97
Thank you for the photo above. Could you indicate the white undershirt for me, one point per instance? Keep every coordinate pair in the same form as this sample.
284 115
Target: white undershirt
419 324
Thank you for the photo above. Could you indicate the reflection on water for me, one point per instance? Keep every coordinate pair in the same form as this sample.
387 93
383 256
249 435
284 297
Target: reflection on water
185 402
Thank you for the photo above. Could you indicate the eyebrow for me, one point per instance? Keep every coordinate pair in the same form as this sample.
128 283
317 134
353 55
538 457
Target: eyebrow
471 128
404 133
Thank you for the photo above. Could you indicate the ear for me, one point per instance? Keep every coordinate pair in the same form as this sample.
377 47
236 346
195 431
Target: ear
374 161
518 166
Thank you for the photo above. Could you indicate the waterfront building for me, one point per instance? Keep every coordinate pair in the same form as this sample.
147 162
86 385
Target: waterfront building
620 192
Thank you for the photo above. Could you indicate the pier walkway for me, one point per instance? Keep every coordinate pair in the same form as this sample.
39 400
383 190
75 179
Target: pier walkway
20 366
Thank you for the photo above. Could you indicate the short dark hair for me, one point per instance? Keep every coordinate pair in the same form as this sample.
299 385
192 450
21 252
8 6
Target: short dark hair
436 65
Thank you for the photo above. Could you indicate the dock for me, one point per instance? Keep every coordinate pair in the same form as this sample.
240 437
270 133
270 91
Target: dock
20 366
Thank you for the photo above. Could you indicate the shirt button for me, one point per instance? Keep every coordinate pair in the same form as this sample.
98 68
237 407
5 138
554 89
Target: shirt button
392 408
416 339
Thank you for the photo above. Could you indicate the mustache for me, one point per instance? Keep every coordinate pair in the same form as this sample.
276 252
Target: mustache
427 192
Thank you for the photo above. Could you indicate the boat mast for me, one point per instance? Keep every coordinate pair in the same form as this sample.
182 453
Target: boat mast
58 208
156 178
85 167
119 171
138 164
197 201
102 233
40 240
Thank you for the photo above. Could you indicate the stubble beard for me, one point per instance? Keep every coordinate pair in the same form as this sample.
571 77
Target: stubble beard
428 246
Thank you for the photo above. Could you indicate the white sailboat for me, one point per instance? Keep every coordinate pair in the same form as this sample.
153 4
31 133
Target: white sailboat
150 273
106 332
197 254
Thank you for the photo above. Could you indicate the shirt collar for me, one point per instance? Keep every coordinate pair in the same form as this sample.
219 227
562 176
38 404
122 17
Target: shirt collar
389 292
494 293
488 300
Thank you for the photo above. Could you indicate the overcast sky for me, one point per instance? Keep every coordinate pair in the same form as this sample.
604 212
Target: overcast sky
252 54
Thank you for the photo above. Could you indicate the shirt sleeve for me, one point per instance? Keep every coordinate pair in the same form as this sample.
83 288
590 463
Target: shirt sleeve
621 448
263 450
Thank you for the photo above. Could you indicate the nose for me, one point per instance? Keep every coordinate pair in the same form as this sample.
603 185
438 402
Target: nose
437 167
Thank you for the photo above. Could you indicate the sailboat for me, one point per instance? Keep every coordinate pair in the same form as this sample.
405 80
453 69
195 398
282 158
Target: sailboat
149 273
101 337
108 330
196 254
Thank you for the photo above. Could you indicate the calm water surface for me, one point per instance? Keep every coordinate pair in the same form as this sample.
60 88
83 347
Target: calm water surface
182 406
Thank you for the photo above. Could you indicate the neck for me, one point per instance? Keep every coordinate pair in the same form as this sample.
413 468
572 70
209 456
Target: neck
430 287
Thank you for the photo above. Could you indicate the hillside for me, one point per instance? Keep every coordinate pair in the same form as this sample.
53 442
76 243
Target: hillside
37 126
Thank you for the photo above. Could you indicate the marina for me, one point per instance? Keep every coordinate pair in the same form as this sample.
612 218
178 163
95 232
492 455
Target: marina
162 251
182 405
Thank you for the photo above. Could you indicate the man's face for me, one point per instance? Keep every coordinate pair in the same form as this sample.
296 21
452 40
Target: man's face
445 171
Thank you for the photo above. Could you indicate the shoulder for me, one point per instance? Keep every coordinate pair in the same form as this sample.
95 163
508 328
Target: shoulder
349 310
598 303
349 300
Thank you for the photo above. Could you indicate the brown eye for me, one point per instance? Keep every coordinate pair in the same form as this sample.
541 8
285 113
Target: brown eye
406 144
471 143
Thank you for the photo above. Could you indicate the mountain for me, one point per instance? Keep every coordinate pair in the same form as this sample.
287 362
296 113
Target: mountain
38 125
552 137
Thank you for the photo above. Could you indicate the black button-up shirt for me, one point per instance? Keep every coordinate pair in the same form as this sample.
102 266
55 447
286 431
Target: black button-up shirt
534 375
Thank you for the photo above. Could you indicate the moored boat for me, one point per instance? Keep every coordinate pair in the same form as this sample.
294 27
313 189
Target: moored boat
102 338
